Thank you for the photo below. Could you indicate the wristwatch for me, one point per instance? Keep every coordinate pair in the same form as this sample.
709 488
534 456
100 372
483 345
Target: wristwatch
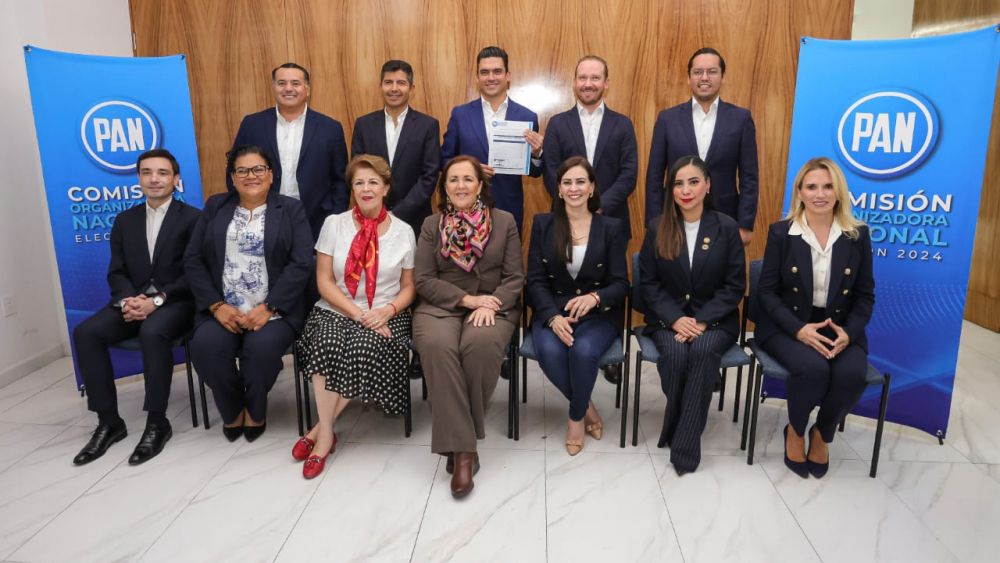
158 300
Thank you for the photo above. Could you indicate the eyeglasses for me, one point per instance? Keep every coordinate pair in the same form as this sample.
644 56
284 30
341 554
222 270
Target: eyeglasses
258 171
713 72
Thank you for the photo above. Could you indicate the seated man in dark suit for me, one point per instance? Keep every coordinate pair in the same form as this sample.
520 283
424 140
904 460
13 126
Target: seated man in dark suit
150 298
407 140
721 134
604 137
307 148
470 129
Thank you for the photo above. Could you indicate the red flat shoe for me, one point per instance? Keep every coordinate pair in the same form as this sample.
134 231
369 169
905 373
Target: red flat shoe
302 448
314 466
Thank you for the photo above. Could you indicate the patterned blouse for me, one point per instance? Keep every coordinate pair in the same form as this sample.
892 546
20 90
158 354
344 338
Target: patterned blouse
244 277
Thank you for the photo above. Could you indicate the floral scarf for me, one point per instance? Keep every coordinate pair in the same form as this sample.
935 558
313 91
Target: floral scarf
464 234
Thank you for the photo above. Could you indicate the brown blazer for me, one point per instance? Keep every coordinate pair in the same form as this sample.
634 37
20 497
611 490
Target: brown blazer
441 284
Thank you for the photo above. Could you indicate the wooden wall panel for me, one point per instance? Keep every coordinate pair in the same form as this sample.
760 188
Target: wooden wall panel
933 17
233 44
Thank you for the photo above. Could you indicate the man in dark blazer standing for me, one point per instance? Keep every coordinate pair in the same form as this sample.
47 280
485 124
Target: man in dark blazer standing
604 137
307 148
470 129
150 299
407 140
722 134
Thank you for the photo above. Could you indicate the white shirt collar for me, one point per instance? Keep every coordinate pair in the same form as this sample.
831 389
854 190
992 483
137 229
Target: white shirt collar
300 118
584 113
489 107
161 209
800 227
402 114
695 106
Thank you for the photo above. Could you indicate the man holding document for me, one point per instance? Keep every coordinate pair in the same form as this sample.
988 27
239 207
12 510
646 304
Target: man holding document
499 132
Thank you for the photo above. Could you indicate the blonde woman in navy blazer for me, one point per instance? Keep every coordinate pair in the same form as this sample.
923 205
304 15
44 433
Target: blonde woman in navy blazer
816 297
692 277
576 283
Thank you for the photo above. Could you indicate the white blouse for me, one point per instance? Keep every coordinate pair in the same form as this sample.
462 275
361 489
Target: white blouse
579 251
821 257
395 254
244 274
691 237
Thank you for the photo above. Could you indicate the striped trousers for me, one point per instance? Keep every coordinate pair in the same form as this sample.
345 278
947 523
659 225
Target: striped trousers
688 372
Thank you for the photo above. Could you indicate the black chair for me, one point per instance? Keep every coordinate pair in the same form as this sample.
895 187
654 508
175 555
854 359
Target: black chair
766 366
133 345
615 355
735 356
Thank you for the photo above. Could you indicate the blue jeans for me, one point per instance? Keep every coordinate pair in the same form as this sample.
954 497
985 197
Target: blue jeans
573 369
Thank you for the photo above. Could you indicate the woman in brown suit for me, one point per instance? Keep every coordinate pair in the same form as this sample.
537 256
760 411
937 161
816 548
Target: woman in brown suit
469 275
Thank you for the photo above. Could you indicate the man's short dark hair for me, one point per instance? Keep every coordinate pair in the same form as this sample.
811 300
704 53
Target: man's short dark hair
708 51
594 58
490 52
274 73
158 153
397 65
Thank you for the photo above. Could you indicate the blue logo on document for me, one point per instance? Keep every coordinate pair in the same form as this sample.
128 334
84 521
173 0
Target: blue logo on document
116 132
888 133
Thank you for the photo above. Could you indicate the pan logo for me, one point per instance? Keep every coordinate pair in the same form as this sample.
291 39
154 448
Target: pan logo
116 132
887 134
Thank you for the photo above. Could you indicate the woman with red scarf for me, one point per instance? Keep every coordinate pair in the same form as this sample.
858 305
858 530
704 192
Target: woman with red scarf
355 340
469 275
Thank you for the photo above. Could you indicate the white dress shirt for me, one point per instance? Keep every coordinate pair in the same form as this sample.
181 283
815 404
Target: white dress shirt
821 257
489 116
289 137
392 131
154 221
591 123
704 125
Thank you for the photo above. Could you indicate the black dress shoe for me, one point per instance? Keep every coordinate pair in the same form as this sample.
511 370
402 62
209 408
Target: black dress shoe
612 374
251 433
100 441
232 432
151 443
799 468
816 469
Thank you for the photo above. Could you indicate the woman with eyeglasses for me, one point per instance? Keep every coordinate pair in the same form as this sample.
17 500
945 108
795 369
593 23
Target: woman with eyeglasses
248 262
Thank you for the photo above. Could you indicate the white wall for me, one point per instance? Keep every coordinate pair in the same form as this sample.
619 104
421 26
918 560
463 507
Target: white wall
882 19
36 333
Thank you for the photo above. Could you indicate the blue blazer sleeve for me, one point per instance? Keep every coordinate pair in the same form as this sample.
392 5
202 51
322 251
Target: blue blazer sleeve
747 213
449 149
864 290
420 194
338 166
615 197
655 170
727 298
656 297
539 289
769 286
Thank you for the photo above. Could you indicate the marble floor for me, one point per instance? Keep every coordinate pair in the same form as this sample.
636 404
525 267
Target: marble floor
385 497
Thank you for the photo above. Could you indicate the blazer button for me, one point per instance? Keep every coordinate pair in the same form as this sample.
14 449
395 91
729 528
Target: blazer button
607 308
544 261
795 289
836 311
600 265
558 292
578 292
795 307
552 275
687 296
846 291
597 283
795 269
847 271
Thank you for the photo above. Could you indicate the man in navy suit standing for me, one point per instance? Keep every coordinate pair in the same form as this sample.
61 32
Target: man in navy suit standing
407 140
470 129
604 137
722 134
307 148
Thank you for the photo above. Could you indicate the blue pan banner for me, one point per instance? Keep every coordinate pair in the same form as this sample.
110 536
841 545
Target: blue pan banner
94 116
908 121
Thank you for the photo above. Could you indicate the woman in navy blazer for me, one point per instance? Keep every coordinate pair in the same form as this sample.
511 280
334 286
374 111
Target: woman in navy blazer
576 281
816 297
692 277
248 262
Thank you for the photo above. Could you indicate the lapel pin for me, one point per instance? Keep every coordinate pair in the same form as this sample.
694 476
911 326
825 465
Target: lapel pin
795 269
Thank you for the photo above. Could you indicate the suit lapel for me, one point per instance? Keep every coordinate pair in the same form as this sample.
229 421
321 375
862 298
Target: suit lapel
479 124
166 230
687 125
594 247
308 130
272 222
576 131
603 134
222 220
405 134
707 239
838 261
720 120
271 133
802 261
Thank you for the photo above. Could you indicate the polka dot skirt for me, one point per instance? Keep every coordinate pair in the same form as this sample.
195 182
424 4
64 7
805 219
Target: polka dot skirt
356 361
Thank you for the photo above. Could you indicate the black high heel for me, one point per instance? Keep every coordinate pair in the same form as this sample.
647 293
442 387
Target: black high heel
799 468
232 433
817 470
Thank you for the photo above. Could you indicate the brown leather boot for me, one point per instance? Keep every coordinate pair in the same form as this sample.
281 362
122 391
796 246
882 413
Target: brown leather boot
466 465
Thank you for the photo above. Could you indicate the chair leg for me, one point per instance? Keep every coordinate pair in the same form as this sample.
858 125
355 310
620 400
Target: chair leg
408 413
746 404
624 393
204 401
299 418
523 383
635 403
880 425
517 406
423 387
722 389
190 376
736 397
511 400
753 416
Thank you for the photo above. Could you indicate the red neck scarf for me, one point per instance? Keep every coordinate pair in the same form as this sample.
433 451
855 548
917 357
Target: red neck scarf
363 256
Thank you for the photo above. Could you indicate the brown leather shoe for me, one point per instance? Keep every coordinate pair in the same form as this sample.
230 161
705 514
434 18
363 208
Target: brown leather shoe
466 465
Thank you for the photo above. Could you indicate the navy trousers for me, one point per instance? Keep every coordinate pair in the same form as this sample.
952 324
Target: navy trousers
573 369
